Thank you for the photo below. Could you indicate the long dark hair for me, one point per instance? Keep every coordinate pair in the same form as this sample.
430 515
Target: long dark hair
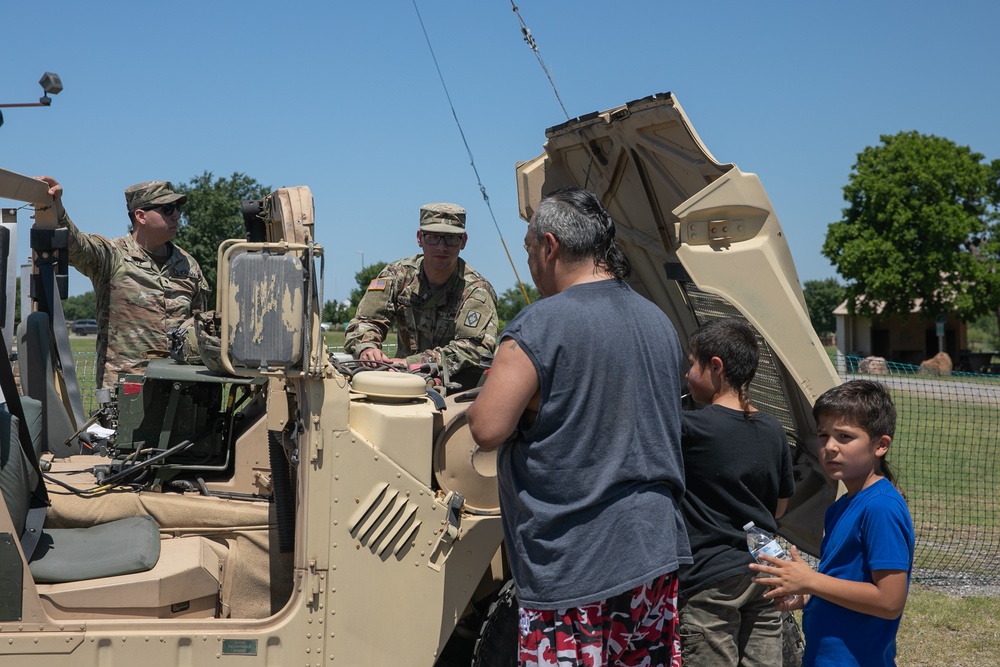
733 341
584 228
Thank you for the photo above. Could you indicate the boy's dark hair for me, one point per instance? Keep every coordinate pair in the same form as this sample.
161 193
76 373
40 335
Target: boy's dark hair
734 342
865 404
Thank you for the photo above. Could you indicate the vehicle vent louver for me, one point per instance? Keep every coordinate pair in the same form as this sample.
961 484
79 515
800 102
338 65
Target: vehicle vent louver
385 522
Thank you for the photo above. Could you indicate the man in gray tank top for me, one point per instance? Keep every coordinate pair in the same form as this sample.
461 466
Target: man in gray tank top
583 400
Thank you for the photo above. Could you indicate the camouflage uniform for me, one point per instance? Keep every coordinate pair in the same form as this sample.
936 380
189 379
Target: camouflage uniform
138 299
457 322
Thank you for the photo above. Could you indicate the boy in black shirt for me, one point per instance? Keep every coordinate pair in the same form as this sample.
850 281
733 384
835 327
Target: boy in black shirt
737 468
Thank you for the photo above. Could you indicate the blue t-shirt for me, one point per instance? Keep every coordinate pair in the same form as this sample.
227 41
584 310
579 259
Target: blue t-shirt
871 530
590 493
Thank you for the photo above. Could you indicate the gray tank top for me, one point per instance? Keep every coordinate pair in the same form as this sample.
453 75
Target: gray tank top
590 493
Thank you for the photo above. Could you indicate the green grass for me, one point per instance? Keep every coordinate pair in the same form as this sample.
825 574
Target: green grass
926 426
334 339
82 343
945 453
940 629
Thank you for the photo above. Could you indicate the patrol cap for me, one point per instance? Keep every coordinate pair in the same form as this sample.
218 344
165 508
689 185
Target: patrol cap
442 218
151 193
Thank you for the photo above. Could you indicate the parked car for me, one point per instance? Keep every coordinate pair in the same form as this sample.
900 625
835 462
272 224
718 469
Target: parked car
84 327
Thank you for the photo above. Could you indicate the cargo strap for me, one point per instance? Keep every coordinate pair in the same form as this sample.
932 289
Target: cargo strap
64 352
39 496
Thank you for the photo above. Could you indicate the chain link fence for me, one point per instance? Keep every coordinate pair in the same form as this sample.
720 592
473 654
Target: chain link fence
86 372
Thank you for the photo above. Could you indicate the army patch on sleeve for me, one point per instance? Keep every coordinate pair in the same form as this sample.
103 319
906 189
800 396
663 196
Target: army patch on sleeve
377 285
472 319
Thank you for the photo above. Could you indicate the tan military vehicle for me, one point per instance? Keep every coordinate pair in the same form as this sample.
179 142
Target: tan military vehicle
287 506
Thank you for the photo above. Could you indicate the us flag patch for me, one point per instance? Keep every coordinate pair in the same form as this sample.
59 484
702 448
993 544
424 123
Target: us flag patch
378 284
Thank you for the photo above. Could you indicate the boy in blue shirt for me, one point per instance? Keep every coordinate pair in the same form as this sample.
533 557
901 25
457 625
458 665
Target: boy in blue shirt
854 602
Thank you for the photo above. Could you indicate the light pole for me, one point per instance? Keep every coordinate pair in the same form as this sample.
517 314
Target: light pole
50 83
362 253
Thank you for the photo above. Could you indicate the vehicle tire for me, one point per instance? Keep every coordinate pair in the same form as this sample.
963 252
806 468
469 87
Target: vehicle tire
79 332
497 642
792 645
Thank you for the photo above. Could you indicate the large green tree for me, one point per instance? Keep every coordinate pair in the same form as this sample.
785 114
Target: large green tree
921 223
214 213
822 297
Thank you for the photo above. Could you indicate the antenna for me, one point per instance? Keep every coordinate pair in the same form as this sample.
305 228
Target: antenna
472 161
533 45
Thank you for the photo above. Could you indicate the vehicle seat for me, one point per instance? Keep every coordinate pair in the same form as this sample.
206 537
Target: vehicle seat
184 583
111 568
69 554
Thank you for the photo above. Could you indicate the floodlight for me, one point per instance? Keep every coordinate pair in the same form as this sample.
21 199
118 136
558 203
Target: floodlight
50 83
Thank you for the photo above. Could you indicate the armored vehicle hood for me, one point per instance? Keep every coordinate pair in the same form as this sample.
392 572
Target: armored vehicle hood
704 242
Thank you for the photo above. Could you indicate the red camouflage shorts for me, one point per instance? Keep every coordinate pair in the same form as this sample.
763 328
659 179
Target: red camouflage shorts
635 628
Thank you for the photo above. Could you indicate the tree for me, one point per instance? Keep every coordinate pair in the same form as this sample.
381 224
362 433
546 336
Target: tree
511 302
822 296
214 213
336 312
80 307
921 223
984 334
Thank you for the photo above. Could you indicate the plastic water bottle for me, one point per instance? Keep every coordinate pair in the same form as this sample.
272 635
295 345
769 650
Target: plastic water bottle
760 542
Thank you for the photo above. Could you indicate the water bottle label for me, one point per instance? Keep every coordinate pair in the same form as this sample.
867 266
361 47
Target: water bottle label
772 549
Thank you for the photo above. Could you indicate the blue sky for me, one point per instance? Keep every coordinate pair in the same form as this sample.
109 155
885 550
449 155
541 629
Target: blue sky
344 97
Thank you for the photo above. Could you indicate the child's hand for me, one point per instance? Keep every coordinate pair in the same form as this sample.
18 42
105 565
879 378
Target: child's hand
785 578
790 602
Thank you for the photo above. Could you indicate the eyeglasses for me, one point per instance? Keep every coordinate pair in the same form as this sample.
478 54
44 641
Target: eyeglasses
165 209
452 240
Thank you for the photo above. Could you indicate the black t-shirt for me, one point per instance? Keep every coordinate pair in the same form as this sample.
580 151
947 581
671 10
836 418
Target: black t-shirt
735 470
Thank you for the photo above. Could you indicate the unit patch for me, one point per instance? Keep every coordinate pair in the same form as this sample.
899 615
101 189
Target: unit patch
472 319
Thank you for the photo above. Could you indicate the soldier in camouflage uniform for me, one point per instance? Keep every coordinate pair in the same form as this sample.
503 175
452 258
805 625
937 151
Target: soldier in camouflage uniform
445 312
144 284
